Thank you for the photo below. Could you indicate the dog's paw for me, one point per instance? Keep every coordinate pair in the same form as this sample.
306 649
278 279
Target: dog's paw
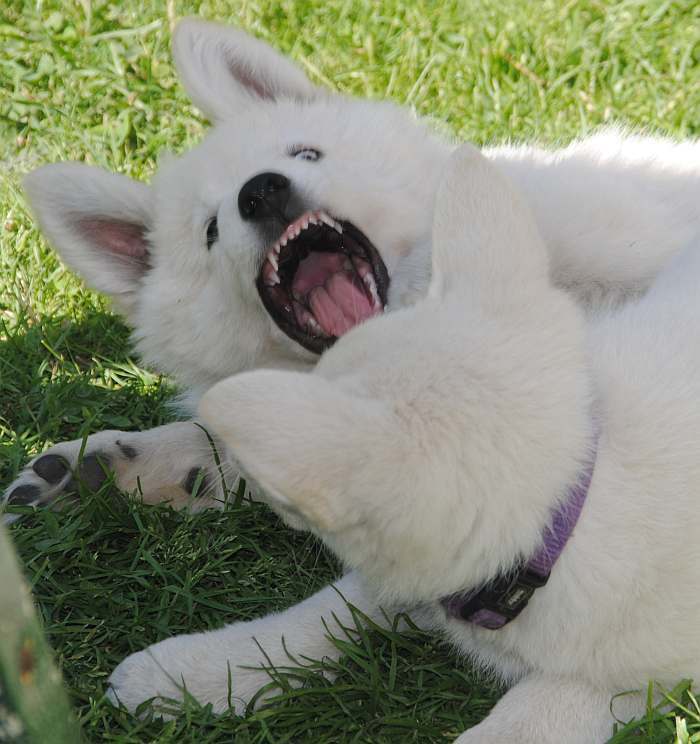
173 464
146 675
197 667
55 473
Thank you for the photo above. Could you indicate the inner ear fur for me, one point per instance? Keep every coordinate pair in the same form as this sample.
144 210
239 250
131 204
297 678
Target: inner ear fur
99 223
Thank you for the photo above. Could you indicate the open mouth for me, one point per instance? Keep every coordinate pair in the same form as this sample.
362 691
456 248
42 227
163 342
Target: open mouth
321 278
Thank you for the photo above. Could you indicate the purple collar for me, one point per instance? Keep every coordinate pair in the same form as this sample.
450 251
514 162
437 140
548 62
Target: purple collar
502 599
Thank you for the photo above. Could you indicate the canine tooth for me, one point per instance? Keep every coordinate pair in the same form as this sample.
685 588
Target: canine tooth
272 258
273 279
283 242
369 282
313 324
327 220
304 224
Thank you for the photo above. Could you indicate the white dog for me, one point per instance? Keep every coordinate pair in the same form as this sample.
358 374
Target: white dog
185 259
303 214
457 452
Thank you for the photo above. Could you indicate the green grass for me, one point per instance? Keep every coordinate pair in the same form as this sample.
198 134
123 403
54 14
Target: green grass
93 81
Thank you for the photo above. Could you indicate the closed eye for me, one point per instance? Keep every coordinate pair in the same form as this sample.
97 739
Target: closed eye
302 152
212 232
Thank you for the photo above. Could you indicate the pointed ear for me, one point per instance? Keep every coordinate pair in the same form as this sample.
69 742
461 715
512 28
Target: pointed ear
221 68
485 240
98 222
305 442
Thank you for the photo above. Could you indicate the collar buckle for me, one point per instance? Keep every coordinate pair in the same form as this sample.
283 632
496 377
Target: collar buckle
503 599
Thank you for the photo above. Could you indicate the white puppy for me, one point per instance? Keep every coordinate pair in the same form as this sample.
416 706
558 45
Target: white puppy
193 260
489 431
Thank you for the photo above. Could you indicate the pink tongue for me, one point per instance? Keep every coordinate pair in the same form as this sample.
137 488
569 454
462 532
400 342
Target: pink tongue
315 269
329 316
340 305
334 293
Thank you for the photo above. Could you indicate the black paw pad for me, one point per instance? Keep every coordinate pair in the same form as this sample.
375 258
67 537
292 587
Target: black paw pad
23 495
196 479
52 468
92 473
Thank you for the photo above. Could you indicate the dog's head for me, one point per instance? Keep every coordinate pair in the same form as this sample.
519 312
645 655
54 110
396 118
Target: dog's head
429 445
283 229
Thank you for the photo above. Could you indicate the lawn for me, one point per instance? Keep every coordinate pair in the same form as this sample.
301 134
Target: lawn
94 81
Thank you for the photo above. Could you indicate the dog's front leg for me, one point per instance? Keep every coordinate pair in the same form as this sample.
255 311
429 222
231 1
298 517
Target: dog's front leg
551 710
175 463
226 667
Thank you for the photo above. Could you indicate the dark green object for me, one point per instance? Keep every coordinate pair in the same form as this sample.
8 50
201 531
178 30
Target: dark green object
34 706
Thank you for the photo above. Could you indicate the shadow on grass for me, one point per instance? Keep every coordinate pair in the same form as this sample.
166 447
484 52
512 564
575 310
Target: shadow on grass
62 378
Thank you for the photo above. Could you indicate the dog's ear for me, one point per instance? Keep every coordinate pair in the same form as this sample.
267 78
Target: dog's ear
308 444
485 240
98 222
221 67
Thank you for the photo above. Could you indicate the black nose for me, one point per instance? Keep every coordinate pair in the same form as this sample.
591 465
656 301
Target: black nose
265 195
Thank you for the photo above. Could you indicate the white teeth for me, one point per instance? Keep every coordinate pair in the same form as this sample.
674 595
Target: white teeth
272 279
369 282
313 324
327 220
294 230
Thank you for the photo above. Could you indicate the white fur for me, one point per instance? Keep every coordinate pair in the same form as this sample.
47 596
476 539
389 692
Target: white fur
65 194
611 208
515 371
208 56
431 466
